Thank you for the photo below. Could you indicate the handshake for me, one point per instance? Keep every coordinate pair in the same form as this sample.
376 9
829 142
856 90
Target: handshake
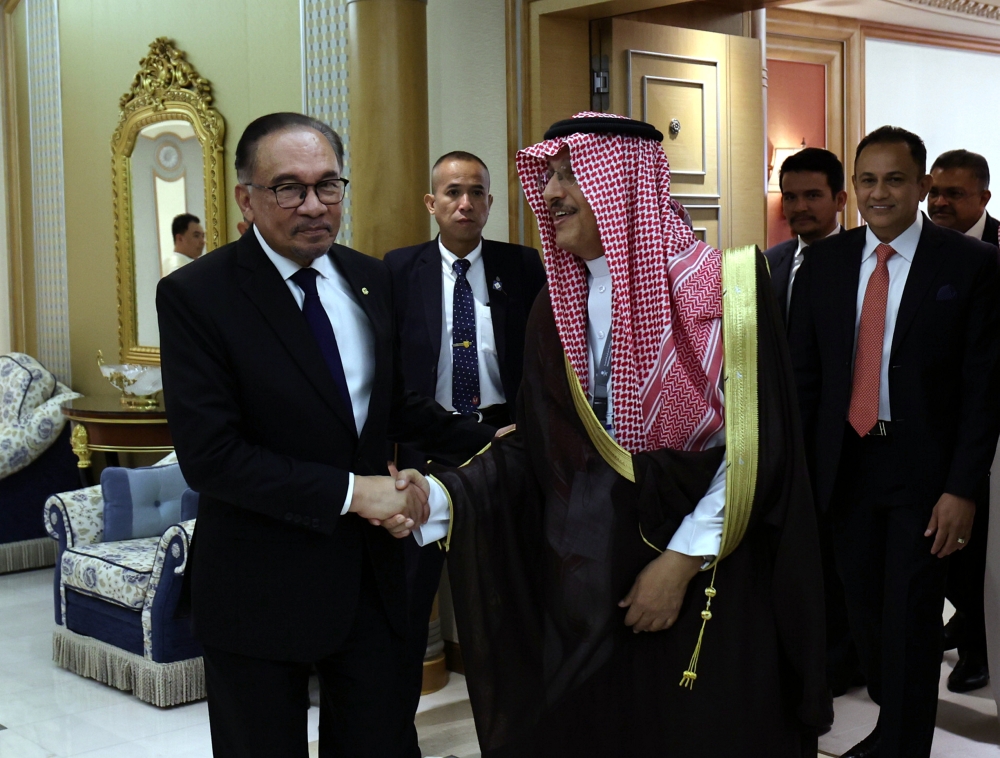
397 502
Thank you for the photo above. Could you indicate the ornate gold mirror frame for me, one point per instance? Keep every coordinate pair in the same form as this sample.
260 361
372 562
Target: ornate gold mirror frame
166 88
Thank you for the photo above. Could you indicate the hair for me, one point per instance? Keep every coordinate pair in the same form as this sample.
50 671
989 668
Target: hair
966 159
818 160
894 135
457 155
246 149
182 222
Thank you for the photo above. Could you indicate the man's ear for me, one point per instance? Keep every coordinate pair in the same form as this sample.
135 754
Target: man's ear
429 202
986 197
841 199
925 186
243 201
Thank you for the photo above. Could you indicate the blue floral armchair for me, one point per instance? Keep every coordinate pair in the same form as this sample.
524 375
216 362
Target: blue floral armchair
116 599
35 459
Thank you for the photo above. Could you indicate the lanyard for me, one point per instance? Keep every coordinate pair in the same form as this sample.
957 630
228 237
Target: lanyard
602 375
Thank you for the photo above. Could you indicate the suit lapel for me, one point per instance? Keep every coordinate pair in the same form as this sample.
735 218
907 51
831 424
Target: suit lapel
428 274
496 273
927 259
780 274
844 288
269 292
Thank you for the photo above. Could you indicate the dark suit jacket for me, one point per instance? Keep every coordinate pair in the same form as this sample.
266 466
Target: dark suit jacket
779 262
261 433
943 373
416 279
991 232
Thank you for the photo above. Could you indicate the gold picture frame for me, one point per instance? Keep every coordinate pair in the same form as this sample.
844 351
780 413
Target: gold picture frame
166 88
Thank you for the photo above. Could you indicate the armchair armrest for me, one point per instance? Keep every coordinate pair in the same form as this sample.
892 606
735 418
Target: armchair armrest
75 518
163 592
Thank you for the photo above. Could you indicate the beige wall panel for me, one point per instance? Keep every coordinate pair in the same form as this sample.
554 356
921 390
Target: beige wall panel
747 193
389 133
248 49
466 92
562 51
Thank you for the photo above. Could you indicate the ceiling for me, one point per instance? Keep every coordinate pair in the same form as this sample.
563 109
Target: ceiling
979 18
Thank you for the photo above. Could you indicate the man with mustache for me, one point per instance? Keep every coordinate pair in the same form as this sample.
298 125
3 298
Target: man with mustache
461 306
812 197
895 339
282 377
960 190
635 568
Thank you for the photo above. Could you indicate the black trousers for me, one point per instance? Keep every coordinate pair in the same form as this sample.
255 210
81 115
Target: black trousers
423 575
967 578
894 589
258 708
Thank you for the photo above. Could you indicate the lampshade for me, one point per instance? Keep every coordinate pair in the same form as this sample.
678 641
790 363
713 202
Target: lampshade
780 154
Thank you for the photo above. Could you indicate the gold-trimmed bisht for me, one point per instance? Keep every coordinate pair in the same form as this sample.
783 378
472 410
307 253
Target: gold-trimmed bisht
446 544
739 330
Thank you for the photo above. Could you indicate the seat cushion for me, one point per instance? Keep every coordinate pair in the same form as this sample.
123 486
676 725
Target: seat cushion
117 572
141 502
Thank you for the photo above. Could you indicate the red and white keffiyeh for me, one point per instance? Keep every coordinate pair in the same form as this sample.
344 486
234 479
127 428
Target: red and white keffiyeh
666 312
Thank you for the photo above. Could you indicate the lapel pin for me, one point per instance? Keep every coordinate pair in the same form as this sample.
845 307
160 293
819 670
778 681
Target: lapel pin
364 290
496 284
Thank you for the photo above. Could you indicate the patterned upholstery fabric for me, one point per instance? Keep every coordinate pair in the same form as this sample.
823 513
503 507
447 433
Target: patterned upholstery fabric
118 572
30 415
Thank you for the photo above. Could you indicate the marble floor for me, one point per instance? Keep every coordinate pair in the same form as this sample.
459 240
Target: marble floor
46 712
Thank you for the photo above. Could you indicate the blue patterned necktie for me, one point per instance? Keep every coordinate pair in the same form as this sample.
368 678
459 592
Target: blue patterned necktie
322 330
464 351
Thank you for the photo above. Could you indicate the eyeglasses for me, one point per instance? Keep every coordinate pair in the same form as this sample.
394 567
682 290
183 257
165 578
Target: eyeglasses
563 175
288 196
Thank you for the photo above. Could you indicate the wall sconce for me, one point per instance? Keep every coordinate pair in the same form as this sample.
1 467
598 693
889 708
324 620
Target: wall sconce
780 154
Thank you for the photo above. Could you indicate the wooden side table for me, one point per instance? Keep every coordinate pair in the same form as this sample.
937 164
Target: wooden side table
102 423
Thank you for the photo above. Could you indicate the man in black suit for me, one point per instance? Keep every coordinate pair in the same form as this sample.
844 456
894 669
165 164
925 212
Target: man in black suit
960 190
503 280
895 339
282 378
812 196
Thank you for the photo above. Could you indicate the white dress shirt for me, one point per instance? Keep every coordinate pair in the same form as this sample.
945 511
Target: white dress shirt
978 228
490 384
355 338
700 533
797 263
899 264
175 260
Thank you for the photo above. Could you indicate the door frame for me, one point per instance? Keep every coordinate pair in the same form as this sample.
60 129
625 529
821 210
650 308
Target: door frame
838 44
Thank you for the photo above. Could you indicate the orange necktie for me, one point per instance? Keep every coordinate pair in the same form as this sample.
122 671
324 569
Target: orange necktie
871 336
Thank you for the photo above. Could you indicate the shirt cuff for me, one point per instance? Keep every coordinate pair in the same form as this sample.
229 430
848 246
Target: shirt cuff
437 524
700 533
350 494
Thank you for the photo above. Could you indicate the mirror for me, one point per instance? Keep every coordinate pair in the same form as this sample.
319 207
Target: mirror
166 161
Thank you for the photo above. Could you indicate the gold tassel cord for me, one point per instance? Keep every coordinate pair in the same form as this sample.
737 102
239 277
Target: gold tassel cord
689 677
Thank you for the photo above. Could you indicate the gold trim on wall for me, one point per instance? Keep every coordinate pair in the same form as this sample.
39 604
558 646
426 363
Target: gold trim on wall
166 88
12 177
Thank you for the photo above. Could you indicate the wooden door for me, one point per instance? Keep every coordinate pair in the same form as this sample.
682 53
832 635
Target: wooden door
704 92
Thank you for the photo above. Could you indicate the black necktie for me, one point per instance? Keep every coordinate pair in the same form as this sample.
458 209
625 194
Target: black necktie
464 351
322 330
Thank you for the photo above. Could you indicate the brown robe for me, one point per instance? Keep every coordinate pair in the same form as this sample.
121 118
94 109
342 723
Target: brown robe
547 538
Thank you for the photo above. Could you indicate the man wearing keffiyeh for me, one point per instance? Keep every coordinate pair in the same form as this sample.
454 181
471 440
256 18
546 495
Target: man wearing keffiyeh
635 568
